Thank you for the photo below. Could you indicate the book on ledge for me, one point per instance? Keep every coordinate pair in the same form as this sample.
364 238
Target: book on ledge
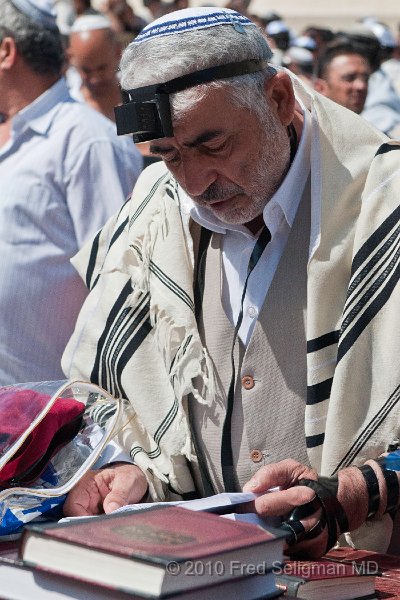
158 551
326 579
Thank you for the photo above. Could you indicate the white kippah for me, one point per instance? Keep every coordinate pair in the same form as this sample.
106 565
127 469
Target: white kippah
276 27
41 12
190 19
90 23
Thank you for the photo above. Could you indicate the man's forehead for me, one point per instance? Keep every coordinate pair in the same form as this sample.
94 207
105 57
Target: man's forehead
187 141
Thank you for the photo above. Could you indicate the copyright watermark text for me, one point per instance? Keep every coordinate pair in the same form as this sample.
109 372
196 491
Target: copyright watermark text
217 568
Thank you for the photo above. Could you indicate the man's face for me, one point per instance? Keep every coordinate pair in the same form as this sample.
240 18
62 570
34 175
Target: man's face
347 81
95 56
225 158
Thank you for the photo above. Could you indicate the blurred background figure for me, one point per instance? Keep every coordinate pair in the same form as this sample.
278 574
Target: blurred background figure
382 106
261 17
342 74
321 36
155 8
279 36
124 20
301 62
241 6
63 173
94 53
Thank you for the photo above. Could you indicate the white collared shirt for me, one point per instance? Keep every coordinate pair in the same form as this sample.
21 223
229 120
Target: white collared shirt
238 242
63 173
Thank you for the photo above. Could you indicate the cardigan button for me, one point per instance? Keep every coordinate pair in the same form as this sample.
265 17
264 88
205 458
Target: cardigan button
248 382
256 456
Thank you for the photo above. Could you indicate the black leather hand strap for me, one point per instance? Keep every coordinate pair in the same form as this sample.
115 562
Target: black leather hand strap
296 531
373 490
392 485
326 490
305 510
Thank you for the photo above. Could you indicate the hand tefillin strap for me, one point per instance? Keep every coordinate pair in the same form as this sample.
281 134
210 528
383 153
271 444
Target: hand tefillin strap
333 516
390 466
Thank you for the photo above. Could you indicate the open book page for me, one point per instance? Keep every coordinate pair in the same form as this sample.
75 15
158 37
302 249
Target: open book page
219 503
209 504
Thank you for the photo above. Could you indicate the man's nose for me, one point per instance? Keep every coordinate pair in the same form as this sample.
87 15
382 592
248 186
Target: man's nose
361 83
198 174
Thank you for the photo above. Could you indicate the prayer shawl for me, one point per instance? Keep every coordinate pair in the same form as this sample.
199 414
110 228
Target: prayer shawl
137 335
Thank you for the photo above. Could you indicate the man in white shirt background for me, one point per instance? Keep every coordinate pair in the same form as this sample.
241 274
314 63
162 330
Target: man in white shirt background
63 173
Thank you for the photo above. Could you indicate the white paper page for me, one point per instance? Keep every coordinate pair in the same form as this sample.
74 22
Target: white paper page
211 502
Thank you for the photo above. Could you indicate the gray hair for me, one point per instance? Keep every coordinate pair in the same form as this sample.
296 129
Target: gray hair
164 58
41 48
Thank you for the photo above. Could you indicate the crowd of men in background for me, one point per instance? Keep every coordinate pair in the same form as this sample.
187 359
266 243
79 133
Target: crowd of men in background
358 67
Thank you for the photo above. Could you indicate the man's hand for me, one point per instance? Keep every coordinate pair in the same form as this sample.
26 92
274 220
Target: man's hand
351 494
285 475
105 490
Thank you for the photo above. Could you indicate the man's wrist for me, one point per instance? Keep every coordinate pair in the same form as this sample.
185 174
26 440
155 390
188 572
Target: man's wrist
353 496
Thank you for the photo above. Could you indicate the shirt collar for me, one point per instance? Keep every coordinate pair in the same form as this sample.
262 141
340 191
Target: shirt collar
286 199
40 113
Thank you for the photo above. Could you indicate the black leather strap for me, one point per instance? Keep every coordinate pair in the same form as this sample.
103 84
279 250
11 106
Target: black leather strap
296 531
326 490
392 485
305 510
373 490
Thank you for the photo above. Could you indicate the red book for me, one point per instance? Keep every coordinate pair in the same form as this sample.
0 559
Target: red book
156 551
326 579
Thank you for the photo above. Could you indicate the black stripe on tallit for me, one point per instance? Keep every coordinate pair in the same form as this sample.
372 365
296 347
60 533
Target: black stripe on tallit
312 441
166 422
146 200
167 281
133 345
319 392
187 342
95 376
323 341
348 340
387 148
367 274
115 335
92 259
375 239
137 449
114 238
127 321
370 290
130 321
369 430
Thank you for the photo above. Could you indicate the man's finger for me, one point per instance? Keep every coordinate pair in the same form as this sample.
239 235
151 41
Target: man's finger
282 502
284 474
125 484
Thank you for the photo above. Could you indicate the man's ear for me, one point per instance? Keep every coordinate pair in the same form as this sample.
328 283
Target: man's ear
321 86
280 96
8 53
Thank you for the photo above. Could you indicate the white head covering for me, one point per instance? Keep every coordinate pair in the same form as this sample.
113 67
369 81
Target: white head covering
383 33
304 41
190 19
42 12
90 23
275 27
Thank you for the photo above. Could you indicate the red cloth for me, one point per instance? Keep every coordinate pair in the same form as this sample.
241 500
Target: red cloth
55 429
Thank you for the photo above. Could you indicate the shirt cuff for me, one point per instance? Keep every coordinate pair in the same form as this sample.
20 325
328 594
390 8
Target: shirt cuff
112 453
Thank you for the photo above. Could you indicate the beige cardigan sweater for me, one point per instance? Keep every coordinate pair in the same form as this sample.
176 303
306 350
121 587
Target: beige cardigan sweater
137 336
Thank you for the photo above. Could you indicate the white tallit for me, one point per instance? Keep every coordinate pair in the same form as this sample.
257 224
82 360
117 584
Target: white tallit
137 336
